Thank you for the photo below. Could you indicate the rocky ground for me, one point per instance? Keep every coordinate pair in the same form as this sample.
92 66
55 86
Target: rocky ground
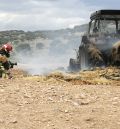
85 100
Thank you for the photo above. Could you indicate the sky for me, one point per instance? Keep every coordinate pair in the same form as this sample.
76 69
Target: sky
32 15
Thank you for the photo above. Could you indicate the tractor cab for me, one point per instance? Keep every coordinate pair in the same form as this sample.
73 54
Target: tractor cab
105 22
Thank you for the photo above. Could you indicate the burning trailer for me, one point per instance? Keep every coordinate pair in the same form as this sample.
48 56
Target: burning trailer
101 45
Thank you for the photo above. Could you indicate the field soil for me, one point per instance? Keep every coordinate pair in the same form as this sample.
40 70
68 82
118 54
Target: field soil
84 100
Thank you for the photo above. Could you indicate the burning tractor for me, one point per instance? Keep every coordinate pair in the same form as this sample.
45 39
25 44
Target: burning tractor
101 45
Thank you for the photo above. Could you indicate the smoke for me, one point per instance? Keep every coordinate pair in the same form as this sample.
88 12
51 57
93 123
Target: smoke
53 56
42 56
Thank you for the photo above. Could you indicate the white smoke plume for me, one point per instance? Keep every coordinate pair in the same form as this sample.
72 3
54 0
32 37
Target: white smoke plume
55 56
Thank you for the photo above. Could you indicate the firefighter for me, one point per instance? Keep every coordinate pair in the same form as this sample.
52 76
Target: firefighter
4 55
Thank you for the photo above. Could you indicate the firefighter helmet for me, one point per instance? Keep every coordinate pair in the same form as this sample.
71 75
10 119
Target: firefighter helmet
7 47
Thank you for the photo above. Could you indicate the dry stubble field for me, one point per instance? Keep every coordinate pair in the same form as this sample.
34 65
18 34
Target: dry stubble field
58 101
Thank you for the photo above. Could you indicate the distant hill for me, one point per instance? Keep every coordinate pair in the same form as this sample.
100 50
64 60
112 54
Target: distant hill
53 42
18 36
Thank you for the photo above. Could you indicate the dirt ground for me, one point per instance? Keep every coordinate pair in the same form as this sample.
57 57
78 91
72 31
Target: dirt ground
58 101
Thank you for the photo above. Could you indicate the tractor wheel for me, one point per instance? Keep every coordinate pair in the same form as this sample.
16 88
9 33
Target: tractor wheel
74 65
